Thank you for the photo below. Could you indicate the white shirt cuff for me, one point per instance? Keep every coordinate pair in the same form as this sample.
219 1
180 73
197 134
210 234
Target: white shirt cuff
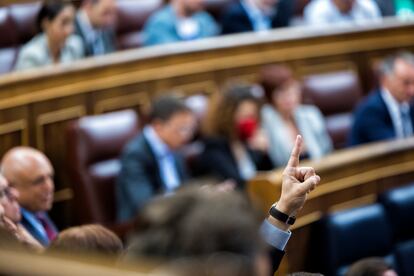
274 236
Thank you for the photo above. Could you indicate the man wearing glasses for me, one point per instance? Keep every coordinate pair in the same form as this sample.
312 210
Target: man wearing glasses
149 164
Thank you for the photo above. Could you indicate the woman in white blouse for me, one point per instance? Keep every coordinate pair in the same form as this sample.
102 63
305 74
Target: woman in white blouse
284 117
56 42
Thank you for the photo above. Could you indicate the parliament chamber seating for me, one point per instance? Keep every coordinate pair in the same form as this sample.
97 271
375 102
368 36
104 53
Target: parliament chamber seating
336 94
383 229
404 258
94 147
19 22
132 16
347 236
399 204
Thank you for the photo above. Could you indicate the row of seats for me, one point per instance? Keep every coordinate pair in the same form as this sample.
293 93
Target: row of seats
384 229
17 24
96 142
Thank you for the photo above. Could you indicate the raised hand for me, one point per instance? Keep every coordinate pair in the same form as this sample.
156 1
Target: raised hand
297 183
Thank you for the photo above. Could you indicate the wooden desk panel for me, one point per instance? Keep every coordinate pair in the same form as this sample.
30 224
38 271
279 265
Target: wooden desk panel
36 105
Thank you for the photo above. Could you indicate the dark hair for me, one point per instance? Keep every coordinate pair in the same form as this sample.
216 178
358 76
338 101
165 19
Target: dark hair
167 106
369 267
273 78
88 238
197 222
220 118
50 9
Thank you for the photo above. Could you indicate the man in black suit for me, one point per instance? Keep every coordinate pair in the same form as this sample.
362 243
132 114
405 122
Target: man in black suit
149 164
256 15
387 113
94 24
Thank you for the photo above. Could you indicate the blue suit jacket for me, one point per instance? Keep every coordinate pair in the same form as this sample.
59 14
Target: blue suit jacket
372 121
30 227
139 179
236 20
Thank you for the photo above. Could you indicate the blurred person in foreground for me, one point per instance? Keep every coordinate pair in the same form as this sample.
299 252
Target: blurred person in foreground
203 224
92 238
371 267
55 43
179 20
256 15
326 12
150 163
10 216
94 23
29 171
235 145
387 113
284 117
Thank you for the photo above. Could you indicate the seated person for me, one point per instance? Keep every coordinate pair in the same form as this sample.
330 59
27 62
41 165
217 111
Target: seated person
256 15
10 216
30 172
325 12
91 238
199 223
386 113
283 117
149 163
55 44
94 23
180 20
235 146
401 8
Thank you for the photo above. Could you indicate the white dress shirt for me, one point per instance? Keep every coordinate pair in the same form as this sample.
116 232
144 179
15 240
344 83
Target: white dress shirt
324 12
165 159
395 108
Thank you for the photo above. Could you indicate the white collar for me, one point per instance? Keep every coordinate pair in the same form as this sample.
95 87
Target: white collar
157 145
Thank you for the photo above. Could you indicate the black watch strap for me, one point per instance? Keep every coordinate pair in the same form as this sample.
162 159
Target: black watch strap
275 213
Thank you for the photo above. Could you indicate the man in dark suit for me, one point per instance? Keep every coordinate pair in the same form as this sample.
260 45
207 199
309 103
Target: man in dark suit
256 15
30 172
149 164
94 24
386 113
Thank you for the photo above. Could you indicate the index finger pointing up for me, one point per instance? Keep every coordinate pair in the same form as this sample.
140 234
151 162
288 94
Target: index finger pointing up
294 156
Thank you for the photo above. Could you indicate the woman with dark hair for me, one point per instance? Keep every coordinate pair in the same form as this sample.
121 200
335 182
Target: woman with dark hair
284 117
55 43
235 146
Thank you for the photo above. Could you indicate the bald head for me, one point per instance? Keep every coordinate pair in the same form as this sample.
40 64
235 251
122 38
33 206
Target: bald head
30 172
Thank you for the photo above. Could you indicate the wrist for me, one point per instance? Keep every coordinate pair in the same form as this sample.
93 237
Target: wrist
284 208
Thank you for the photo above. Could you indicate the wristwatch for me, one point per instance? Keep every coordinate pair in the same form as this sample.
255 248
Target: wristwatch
275 213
